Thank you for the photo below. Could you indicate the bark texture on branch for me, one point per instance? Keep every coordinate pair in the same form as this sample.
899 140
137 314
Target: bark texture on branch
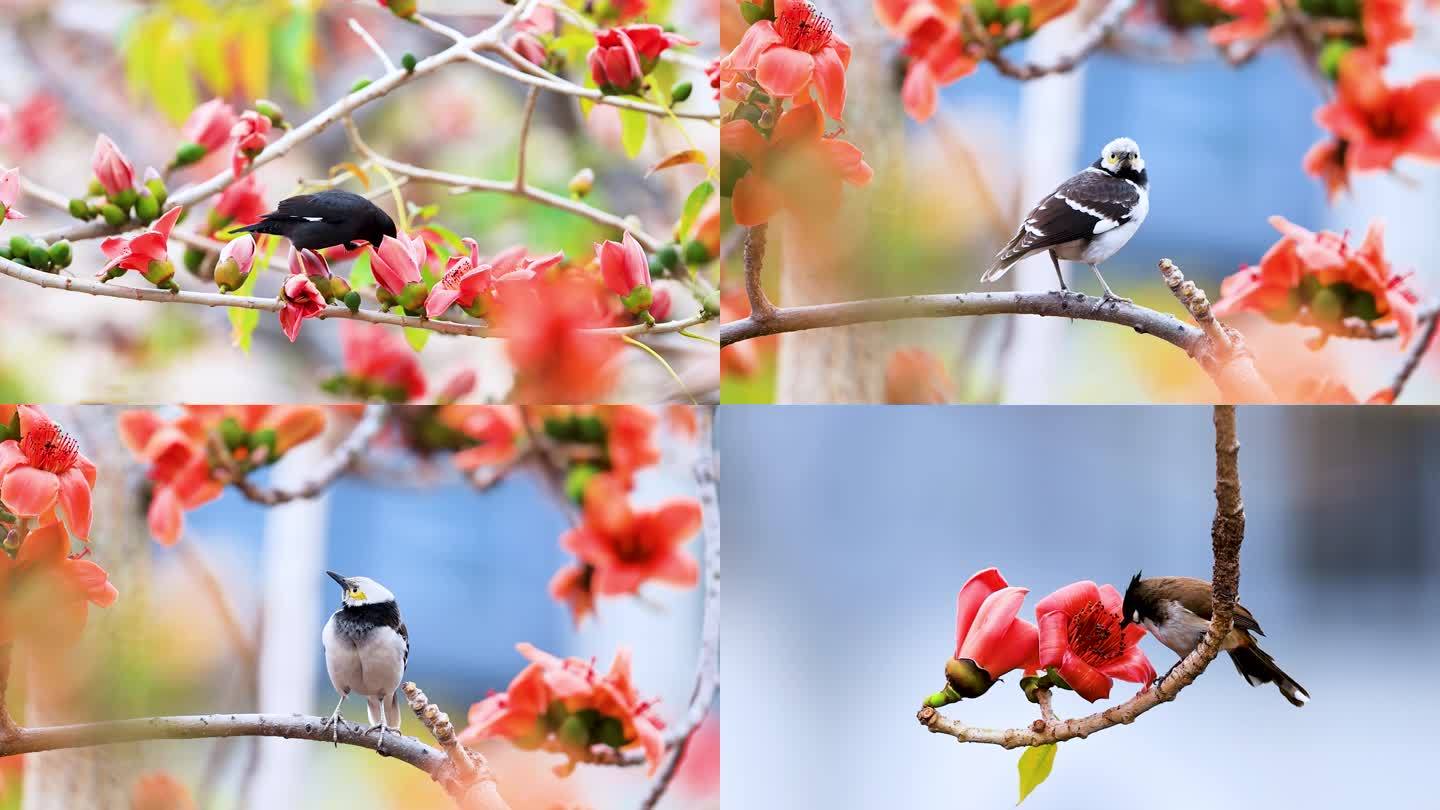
1226 535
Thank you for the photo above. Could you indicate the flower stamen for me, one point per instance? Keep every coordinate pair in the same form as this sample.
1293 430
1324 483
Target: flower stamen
1095 634
803 28
49 448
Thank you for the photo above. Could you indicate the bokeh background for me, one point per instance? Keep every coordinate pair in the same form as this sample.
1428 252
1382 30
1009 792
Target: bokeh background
470 572
849 532
134 70
1223 149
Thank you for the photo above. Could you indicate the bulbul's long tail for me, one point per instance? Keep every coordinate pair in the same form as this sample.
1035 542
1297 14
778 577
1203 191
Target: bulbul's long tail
1258 667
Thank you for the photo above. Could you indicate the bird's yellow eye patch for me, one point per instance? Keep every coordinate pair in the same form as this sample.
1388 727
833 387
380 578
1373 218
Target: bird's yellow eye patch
357 595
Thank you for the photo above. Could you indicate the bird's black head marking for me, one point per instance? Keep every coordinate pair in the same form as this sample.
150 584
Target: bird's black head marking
1135 606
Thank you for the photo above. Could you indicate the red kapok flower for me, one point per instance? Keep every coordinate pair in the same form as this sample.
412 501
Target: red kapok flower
250 133
241 203
396 264
111 167
494 430
935 45
147 253
179 467
798 169
624 56
32 125
209 124
1080 635
798 49
626 272
302 299
629 547
45 592
990 639
1379 123
44 469
916 377
555 360
1252 20
629 440
1385 24
9 194
381 362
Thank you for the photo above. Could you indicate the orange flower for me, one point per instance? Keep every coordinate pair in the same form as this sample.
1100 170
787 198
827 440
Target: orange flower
1384 24
554 360
936 47
495 430
916 377
797 169
627 440
629 547
564 705
1252 20
45 592
1320 276
1379 123
43 469
159 790
799 49
378 362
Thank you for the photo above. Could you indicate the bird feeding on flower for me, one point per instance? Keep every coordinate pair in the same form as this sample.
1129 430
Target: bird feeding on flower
1087 219
1176 610
326 219
366 649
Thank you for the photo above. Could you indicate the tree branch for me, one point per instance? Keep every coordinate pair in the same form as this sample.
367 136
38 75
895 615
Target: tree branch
469 779
328 470
755 241
1413 355
1085 44
8 728
1227 532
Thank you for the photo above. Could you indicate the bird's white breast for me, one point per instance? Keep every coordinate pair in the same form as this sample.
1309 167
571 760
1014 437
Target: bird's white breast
1108 243
370 666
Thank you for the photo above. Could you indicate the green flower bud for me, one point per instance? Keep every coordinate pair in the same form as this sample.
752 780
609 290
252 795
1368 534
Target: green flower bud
562 429
96 190
696 253
360 84
669 257
232 434
39 257
339 288
81 209
156 187
270 110
1362 305
711 304
582 182
20 246
352 301
194 258
5 254
412 297
61 254
657 268
265 441
147 208
187 154
126 198
1020 14
639 299
1331 55
576 480
987 10
944 697
574 734
384 297
408 62
589 429
681 91
113 215
610 731
228 276
114 272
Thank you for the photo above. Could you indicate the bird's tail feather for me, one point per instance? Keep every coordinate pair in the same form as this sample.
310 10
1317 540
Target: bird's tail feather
1258 667
263 226
999 266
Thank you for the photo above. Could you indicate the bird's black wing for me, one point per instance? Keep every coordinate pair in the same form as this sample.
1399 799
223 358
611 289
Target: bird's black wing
405 634
331 206
1090 203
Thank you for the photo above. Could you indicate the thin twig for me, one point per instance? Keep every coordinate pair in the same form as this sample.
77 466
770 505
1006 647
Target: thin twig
1413 355
374 46
755 241
527 116
328 470
1086 43
8 729
557 85
1227 533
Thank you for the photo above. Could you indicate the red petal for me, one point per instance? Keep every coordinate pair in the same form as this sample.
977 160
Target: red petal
758 39
75 500
1054 638
1087 681
829 76
972 595
784 72
992 622
28 491
1070 599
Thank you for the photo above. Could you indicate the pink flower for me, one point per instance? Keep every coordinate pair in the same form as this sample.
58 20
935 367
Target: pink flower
624 56
31 126
249 133
9 194
381 360
530 47
799 48
209 124
308 263
397 262
1080 634
241 203
111 167
302 300
236 260
626 272
468 278
44 469
147 253
990 639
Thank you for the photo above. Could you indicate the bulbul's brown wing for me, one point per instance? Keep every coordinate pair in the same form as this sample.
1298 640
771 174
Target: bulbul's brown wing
1194 595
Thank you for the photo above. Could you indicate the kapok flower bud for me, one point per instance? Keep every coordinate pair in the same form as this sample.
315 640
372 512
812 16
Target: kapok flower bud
270 110
638 299
147 208
582 182
61 254
530 47
112 170
964 679
160 274
412 297
236 260
155 184
404 9
336 289
80 209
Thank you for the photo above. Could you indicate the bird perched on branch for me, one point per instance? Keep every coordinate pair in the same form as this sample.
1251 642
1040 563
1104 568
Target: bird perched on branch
1176 610
1087 219
326 219
366 649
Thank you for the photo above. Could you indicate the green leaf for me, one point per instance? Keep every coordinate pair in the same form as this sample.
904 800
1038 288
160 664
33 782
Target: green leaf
360 273
293 42
633 127
693 203
244 321
417 338
170 78
1035 765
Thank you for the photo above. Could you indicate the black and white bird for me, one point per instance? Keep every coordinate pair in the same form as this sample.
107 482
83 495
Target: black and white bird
1176 610
326 219
1087 219
366 649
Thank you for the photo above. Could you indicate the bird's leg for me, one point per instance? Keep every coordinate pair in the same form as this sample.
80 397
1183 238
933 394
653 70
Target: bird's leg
1109 293
335 719
380 744
1056 261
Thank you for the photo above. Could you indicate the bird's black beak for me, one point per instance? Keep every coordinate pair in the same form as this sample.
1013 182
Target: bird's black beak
1125 622
338 579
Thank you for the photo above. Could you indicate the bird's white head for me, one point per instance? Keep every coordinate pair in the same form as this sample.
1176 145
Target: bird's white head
1121 153
361 590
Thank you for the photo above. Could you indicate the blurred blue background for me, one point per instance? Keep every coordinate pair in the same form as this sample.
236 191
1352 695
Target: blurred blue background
849 531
